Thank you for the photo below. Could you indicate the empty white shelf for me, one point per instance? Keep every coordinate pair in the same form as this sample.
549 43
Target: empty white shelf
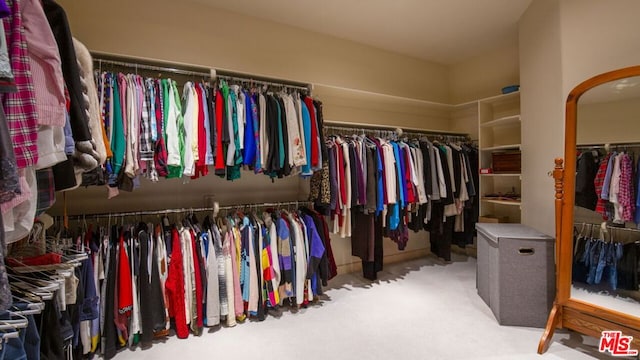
502 147
507 120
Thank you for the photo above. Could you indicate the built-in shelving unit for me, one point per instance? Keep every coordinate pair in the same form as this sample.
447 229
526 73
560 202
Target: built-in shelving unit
499 131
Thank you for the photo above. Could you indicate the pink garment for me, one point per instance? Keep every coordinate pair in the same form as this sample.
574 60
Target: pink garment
20 107
46 67
626 199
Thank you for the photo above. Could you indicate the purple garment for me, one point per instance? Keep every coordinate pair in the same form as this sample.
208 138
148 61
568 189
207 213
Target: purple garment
69 143
283 235
4 9
362 192
316 248
316 252
333 177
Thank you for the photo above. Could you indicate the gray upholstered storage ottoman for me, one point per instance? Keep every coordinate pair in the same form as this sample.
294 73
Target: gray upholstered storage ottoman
516 273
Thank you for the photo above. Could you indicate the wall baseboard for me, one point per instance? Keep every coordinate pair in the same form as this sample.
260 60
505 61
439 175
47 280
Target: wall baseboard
356 266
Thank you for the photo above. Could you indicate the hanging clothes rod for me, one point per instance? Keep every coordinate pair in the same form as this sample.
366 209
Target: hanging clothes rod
134 65
253 80
193 70
187 210
598 226
389 131
366 126
607 145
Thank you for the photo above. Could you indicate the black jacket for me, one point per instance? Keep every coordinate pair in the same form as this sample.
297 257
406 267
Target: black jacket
60 26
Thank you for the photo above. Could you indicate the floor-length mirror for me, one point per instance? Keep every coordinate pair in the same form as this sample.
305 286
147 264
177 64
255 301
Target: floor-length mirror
606 220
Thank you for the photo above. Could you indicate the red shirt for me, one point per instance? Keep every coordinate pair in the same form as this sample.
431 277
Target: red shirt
201 166
175 287
315 156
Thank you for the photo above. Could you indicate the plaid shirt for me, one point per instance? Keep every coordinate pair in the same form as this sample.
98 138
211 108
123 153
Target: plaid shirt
598 181
46 190
20 107
625 193
160 156
146 139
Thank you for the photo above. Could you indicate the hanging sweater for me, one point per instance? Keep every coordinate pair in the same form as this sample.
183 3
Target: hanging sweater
175 287
286 259
271 272
152 311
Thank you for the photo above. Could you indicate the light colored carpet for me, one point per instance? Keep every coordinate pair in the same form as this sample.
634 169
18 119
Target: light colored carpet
421 309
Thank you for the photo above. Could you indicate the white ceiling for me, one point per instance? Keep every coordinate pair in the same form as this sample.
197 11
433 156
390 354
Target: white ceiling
443 31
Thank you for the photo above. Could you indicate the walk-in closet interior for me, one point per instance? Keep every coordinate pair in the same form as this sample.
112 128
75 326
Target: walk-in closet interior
267 179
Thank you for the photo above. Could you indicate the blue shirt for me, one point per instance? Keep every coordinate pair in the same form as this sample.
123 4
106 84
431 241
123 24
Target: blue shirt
249 151
607 178
397 153
306 123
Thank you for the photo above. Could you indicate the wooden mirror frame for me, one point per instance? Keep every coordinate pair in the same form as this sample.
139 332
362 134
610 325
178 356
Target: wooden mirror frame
580 316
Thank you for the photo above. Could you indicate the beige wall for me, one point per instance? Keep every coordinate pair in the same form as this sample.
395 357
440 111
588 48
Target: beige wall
595 122
193 33
563 43
597 36
484 76
542 109
349 78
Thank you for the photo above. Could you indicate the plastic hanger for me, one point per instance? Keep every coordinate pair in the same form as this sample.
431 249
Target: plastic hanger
33 307
4 336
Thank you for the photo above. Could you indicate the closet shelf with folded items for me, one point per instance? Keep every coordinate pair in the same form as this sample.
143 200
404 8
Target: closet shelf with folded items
383 181
149 273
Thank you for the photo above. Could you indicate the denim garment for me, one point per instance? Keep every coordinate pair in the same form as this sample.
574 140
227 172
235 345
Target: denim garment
31 340
2 348
14 348
594 257
613 255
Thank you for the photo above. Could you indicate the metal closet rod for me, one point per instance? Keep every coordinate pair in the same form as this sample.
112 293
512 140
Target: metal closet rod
249 79
134 65
188 70
598 226
188 210
395 131
607 145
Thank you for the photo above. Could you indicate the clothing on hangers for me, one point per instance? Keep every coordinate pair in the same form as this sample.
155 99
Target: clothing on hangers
407 184
228 269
